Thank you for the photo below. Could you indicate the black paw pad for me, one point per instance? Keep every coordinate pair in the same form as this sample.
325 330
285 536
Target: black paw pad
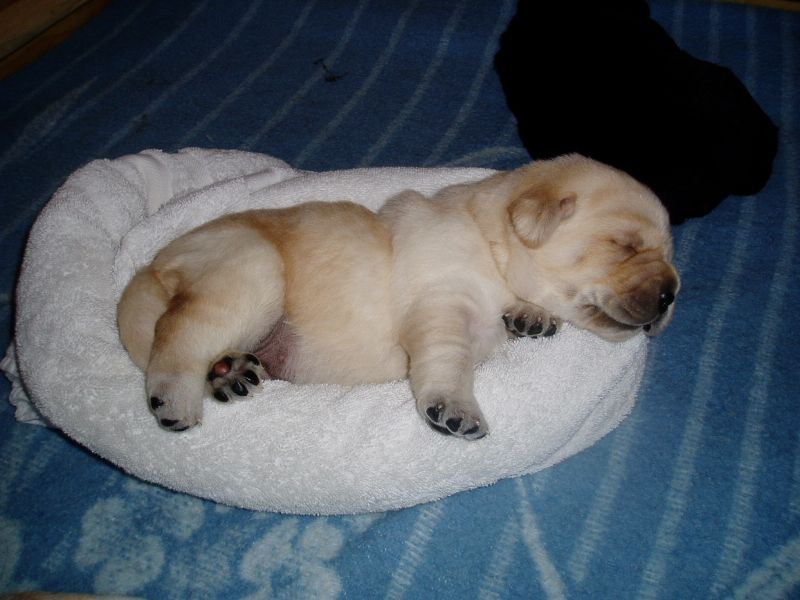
434 412
440 429
453 424
536 328
251 377
238 388
235 375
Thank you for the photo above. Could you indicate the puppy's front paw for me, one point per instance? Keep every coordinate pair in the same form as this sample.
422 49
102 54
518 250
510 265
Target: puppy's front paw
454 417
176 401
529 320
235 374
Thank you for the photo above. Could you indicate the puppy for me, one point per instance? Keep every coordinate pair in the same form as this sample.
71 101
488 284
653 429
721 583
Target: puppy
425 288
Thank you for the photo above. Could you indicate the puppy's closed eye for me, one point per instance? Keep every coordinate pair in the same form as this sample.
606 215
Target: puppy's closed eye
630 242
618 246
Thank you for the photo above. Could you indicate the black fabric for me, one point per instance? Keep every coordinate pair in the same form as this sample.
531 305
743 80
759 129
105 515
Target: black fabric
605 80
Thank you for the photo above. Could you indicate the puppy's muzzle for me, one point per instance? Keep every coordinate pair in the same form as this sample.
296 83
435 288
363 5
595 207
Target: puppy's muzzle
666 304
647 305
646 302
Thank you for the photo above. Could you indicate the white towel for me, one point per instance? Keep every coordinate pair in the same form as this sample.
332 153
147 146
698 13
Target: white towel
313 449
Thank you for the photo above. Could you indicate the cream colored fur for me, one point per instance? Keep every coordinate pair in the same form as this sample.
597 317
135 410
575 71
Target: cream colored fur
420 289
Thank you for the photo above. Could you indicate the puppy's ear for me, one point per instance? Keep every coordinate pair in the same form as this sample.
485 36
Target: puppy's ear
536 212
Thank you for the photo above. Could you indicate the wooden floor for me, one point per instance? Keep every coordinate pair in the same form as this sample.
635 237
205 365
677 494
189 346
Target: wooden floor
29 28
777 4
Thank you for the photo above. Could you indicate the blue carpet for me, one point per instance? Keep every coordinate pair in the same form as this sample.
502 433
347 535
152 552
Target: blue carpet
697 494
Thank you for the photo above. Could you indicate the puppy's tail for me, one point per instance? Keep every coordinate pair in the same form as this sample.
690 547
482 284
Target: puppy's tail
142 304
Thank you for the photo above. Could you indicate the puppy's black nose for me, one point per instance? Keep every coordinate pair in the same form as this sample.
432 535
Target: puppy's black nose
664 300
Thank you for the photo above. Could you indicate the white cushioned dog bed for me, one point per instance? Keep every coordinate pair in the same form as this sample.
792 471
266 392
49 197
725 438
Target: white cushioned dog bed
317 449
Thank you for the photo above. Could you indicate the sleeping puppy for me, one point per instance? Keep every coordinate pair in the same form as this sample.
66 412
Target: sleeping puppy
425 288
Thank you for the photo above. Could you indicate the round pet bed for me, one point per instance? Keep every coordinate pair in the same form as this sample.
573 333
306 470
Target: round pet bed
312 449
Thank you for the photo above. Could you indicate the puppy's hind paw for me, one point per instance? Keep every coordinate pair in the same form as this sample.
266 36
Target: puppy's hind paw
235 375
529 320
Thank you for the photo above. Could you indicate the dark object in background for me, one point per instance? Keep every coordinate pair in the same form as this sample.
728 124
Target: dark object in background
605 80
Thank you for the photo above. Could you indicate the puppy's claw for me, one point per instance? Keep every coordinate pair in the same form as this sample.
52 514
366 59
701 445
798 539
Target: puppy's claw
238 388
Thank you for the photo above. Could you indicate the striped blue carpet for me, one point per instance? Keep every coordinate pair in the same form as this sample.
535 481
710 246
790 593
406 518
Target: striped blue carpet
697 494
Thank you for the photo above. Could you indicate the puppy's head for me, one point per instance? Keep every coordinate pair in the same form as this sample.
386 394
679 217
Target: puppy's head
593 246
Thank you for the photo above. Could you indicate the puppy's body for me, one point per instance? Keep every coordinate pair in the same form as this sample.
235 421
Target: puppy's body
331 292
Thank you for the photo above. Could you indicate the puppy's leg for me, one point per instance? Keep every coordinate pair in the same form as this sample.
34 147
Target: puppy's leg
141 305
229 299
524 319
435 335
